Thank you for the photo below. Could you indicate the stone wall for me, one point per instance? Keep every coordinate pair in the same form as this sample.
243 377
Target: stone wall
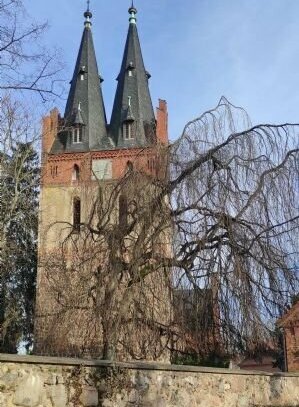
53 382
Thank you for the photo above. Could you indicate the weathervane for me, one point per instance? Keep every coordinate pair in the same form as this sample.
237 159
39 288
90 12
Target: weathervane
88 5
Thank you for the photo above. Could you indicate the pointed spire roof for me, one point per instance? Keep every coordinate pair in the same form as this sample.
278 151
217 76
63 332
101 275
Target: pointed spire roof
85 105
132 101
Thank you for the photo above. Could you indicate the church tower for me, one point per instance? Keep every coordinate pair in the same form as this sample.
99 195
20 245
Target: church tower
79 151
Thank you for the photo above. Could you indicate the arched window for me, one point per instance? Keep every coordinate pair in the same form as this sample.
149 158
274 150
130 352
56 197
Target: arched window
130 166
76 214
76 173
123 211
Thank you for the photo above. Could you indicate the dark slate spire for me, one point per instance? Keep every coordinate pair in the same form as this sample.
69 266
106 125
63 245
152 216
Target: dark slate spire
132 105
85 107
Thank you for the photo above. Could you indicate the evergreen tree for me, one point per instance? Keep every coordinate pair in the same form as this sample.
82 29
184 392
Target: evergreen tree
18 260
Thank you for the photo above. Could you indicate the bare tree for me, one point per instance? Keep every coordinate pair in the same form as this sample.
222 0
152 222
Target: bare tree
235 205
28 68
218 218
25 64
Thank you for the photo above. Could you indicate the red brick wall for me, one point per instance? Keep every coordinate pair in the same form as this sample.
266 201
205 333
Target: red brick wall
50 126
292 348
57 172
289 323
58 169
162 122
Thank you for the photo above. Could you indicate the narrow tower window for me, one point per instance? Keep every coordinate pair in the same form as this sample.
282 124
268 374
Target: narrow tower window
77 134
76 214
123 211
130 166
128 131
76 173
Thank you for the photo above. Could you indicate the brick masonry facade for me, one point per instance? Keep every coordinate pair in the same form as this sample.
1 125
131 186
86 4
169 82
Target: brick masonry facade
289 323
57 169
59 332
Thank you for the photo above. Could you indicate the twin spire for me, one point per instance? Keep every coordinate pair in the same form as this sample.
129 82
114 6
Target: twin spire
133 120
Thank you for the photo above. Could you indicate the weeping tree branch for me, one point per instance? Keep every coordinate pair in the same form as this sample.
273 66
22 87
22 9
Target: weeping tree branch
222 225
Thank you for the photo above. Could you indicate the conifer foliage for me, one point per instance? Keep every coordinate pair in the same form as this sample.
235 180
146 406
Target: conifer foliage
19 178
27 68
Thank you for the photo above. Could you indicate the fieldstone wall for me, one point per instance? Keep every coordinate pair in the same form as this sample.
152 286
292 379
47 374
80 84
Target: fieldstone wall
53 382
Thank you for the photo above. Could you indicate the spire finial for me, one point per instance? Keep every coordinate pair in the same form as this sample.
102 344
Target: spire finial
133 12
88 15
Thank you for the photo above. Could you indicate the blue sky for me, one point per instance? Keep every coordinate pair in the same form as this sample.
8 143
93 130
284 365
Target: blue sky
196 51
